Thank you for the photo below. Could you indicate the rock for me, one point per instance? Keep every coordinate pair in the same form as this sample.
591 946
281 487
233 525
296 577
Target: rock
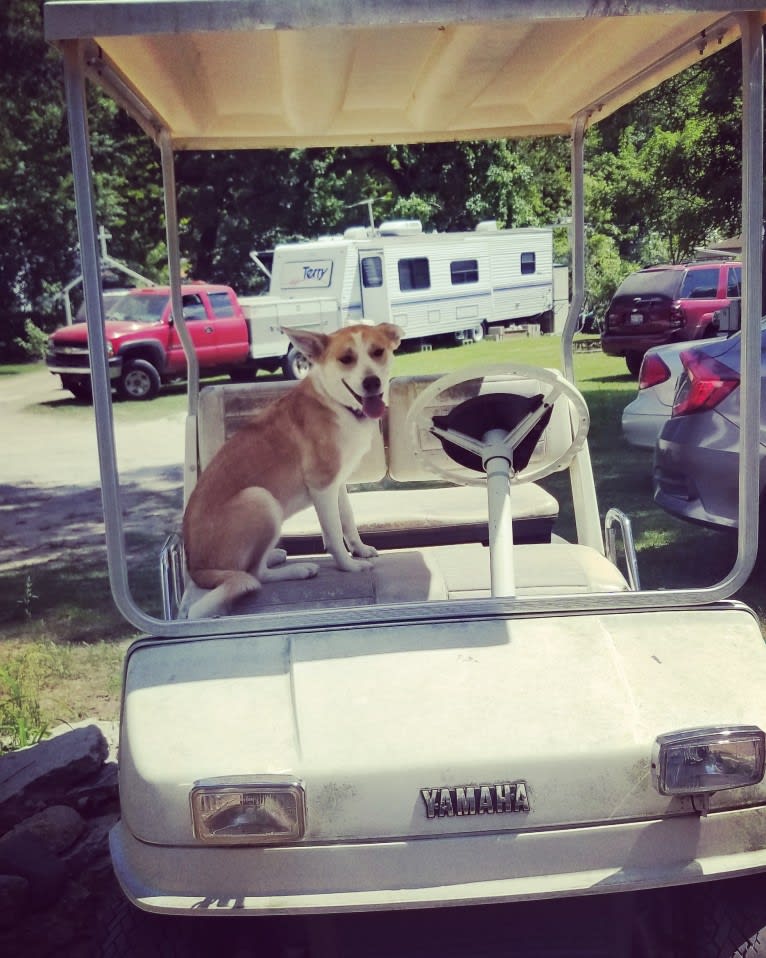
98 795
110 731
27 856
57 827
58 800
14 891
32 778
92 852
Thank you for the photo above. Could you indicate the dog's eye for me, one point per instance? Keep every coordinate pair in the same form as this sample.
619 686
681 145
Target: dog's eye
377 353
347 359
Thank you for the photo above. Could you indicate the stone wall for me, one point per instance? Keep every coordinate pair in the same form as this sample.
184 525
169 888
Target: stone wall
58 800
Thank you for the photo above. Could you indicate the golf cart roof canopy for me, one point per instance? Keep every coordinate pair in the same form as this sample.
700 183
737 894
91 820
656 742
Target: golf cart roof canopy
229 74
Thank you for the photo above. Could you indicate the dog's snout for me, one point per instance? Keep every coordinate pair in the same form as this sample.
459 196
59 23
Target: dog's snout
371 384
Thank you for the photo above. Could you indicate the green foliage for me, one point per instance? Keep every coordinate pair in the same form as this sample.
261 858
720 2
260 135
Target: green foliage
22 680
604 271
34 342
21 720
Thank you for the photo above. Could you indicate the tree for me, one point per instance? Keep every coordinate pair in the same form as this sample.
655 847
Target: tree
40 253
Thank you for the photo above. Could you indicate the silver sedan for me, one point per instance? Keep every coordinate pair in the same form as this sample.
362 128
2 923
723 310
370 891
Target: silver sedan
696 459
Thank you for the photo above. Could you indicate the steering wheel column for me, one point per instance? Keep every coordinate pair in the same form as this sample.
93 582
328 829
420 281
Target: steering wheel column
492 436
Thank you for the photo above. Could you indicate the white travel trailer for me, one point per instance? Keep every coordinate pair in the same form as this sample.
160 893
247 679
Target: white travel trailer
430 284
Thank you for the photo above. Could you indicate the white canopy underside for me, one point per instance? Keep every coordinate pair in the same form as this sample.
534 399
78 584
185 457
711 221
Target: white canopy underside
225 74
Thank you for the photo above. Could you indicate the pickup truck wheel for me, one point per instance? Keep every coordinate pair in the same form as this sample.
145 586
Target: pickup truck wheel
78 386
295 365
139 380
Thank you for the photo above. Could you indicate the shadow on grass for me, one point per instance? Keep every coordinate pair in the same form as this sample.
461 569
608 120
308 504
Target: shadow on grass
625 377
53 568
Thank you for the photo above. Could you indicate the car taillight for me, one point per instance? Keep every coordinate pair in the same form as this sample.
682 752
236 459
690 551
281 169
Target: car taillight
653 372
706 383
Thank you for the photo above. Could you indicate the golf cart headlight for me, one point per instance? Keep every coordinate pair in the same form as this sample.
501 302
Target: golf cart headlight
227 811
706 760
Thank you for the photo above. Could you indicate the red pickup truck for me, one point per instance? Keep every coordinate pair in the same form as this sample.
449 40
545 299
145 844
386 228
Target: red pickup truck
144 347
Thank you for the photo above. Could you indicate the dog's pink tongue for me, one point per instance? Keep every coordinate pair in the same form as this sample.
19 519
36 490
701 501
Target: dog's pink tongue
373 407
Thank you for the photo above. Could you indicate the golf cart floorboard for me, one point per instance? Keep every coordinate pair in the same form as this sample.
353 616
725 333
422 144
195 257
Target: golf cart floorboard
439 572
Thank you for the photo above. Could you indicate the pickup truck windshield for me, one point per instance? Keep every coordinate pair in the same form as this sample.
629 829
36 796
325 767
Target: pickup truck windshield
145 308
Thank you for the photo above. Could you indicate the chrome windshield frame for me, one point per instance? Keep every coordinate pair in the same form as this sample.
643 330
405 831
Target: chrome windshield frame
77 64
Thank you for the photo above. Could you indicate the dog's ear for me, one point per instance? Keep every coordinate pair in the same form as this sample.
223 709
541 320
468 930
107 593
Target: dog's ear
312 345
393 332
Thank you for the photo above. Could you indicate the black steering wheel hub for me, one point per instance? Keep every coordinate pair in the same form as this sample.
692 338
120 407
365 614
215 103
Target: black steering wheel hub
479 415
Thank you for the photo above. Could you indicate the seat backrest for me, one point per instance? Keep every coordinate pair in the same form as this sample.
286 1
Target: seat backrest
223 409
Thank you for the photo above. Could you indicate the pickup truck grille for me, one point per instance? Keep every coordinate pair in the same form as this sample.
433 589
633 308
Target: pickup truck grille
71 357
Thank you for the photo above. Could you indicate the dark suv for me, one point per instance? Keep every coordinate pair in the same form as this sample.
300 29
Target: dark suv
664 304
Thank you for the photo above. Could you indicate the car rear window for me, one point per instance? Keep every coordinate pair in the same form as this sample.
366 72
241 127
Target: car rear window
662 282
700 284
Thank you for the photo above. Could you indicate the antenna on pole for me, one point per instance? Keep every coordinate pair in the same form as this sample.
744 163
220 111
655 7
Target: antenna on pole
368 203
103 236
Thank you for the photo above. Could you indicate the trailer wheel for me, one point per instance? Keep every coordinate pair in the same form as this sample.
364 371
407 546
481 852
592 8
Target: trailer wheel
295 365
476 333
139 380
730 917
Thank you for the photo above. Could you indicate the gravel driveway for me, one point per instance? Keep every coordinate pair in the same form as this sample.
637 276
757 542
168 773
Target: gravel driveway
50 503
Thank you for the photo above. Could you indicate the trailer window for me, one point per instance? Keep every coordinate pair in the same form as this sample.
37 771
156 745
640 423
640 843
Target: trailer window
464 271
372 271
414 273
221 304
528 263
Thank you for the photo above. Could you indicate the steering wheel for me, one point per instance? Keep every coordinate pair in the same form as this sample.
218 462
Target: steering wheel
471 415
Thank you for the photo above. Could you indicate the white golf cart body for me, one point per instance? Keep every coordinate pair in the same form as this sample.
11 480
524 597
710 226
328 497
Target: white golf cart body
465 723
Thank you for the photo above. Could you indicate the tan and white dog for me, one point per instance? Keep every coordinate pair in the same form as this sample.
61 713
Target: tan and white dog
299 450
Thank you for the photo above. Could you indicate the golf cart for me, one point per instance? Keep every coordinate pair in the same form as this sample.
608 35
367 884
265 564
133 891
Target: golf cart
491 715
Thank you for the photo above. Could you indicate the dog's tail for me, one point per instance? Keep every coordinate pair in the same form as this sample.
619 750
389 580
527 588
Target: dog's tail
225 588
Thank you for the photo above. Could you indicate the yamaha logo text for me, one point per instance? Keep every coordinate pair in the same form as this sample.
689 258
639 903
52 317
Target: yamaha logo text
475 799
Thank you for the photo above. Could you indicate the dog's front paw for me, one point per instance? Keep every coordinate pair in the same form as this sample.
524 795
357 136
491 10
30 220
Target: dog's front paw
354 565
305 570
363 551
276 557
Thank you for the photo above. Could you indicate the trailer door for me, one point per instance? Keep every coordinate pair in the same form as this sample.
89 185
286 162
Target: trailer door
375 304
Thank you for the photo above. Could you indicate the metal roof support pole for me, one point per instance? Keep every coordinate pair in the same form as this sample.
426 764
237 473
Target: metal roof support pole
752 239
584 497
76 101
176 299
174 266
577 163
